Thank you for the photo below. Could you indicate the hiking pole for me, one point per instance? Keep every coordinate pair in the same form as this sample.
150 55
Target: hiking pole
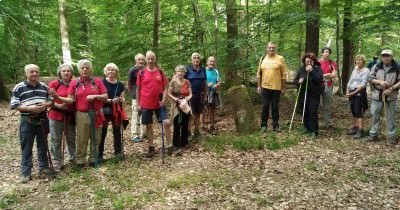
305 98
385 113
162 137
294 110
93 134
44 139
63 142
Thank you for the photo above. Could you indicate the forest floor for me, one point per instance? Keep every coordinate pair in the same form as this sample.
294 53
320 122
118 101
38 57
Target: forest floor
228 171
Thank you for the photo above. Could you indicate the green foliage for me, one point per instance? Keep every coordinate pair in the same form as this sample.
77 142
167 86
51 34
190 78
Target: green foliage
114 31
7 200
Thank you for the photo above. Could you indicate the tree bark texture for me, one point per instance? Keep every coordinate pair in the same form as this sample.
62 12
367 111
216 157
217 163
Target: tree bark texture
348 43
66 52
232 51
244 116
156 26
312 26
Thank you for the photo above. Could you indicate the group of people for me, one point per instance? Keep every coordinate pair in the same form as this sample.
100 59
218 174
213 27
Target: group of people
315 81
77 111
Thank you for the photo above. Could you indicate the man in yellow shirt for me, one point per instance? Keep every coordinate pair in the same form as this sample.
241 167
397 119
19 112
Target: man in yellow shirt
271 77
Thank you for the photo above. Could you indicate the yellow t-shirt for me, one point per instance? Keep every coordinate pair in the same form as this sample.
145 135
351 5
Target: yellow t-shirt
273 72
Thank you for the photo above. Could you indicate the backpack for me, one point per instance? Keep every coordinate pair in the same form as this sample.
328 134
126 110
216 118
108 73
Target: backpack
79 82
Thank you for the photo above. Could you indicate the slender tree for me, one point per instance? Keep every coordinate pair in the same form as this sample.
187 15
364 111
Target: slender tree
348 44
156 26
66 52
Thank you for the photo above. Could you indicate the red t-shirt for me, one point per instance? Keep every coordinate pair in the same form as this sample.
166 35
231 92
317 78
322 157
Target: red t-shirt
151 84
327 67
62 90
84 89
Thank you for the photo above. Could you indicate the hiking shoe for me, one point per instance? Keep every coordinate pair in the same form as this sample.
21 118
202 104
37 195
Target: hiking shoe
25 179
78 167
277 129
371 139
213 130
151 152
263 129
119 156
45 171
197 132
137 139
352 131
359 134
171 150
392 141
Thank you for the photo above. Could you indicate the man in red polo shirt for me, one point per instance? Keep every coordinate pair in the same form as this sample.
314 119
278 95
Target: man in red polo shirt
151 94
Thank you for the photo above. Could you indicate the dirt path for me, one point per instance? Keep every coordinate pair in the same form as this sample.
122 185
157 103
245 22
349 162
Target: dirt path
334 172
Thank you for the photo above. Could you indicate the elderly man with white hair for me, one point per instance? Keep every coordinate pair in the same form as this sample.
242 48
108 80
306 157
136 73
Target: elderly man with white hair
31 99
384 79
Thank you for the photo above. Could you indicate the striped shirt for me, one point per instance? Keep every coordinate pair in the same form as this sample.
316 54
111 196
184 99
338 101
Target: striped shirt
27 94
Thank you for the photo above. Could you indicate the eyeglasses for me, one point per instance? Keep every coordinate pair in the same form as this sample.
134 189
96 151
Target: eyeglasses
196 58
386 55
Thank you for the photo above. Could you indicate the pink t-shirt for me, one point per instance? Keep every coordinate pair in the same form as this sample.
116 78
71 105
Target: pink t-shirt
327 67
62 90
151 84
84 89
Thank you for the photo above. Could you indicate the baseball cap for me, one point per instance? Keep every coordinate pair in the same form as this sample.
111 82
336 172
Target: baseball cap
387 52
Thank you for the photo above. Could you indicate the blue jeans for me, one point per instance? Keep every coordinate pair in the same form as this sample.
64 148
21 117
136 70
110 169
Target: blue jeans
27 134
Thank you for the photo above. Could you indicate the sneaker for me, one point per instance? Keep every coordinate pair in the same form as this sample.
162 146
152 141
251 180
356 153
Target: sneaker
25 179
371 139
352 131
152 152
137 139
314 136
359 134
263 129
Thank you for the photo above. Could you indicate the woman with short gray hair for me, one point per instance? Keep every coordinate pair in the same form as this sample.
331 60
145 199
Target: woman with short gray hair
62 119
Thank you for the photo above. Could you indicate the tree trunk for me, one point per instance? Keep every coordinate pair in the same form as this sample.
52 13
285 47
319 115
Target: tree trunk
232 56
348 43
215 13
340 92
156 26
312 26
243 110
66 52
4 92
269 21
